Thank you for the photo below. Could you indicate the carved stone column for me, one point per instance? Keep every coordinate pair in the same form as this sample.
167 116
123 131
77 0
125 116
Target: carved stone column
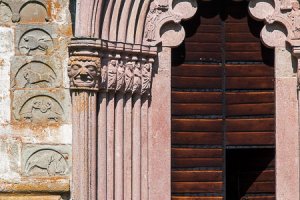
84 74
123 124
133 149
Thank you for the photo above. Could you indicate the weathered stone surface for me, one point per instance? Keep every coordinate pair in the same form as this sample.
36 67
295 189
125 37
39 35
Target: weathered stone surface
21 6
38 185
33 12
36 39
5 13
46 160
30 197
10 154
6 52
43 107
35 72
34 104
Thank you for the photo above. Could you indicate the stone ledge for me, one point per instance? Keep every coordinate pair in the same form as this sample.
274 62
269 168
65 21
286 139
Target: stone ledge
30 197
38 185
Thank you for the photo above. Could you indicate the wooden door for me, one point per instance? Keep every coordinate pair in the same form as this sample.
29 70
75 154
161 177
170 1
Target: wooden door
223 108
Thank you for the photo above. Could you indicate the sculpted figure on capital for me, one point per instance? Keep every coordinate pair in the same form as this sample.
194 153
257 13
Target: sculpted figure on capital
84 72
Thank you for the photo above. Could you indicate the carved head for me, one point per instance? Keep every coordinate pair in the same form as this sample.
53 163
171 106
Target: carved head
84 72
113 63
137 66
147 66
129 65
295 5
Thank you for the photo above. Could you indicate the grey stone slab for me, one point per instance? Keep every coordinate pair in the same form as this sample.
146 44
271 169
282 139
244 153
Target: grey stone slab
35 72
42 107
26 11
46 160
39 39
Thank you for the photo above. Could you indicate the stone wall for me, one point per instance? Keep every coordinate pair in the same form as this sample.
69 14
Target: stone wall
35 103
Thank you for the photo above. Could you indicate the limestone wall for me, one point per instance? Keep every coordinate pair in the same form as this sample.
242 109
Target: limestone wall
35 104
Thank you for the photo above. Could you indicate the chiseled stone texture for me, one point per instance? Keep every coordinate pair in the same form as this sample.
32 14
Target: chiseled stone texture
46 160
35 103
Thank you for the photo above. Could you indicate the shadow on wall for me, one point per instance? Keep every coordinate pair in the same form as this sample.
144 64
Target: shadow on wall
72 8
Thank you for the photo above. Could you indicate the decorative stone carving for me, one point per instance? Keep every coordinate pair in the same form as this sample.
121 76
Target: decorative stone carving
34 12
46 160
32 40
129 76
112 74
35 42
17 6
120 77
146 78
35 72
282 22
5 13
84 72
161 13
43 107
286 5
153 18
137 76
126 75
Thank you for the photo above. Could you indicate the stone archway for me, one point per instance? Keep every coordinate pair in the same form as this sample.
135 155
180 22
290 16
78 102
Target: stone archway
119 69
120 58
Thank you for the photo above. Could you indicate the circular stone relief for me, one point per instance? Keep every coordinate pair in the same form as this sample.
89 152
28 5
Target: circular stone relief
36 42
35 75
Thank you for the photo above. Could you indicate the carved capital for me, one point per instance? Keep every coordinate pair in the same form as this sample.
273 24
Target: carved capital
84 72
126 74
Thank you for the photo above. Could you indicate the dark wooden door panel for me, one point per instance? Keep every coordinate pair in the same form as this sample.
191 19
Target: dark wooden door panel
223 101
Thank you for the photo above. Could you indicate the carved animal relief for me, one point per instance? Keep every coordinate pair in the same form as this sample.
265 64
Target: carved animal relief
46 162
35 75
41 109
35 42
